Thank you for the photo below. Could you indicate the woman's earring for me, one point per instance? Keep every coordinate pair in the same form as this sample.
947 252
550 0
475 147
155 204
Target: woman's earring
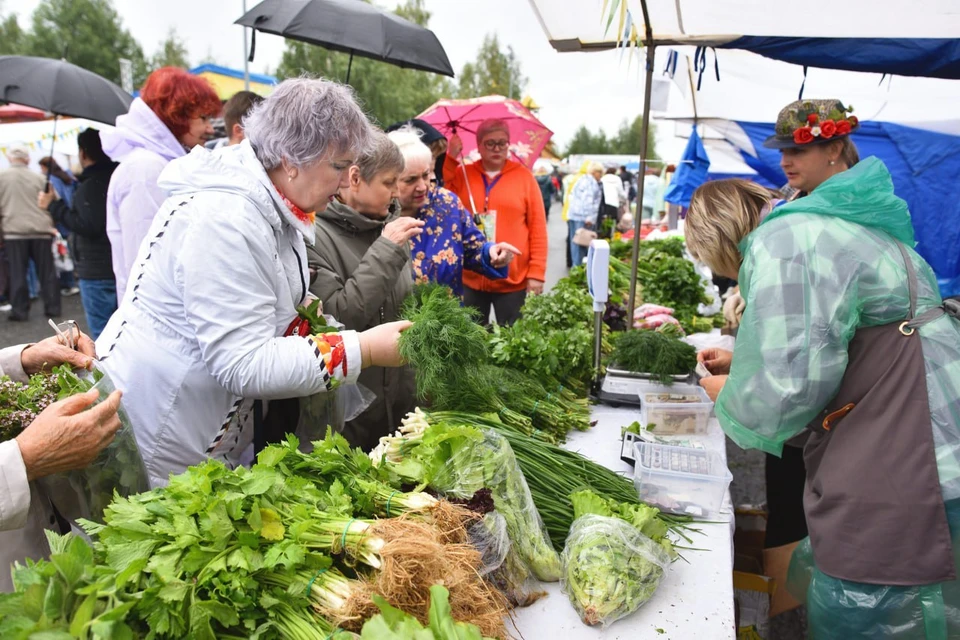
290 178
832 163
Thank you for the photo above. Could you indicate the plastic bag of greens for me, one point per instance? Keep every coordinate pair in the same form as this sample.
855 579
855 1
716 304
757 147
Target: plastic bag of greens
119 468
502 566
489 536
330 408
609 568
490 463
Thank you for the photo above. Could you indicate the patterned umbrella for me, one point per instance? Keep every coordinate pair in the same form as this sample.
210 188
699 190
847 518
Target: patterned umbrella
528 136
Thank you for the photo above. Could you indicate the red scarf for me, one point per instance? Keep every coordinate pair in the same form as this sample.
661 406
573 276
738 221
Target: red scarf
306 217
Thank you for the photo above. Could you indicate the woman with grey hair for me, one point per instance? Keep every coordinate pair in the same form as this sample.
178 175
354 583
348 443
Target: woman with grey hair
362 259
219 277
452 241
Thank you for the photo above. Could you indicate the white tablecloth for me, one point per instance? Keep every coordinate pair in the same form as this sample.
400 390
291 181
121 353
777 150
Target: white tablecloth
695 600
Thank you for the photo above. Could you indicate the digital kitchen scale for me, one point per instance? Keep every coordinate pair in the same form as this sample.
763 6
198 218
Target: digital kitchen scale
620 387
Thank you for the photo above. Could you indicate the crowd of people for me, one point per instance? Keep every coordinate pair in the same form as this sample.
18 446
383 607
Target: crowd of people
192 262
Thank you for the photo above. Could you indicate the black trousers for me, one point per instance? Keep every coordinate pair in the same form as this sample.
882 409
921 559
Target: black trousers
786 477
19 253
506 305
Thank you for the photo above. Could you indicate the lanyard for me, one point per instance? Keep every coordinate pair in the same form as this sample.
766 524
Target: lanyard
489 187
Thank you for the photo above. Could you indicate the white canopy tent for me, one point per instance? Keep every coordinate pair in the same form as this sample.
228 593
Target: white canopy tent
580 25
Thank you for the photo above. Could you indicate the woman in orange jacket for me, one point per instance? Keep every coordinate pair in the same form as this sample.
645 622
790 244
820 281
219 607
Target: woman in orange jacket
506 196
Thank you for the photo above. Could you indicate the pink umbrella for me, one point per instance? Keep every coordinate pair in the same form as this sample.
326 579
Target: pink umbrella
528 136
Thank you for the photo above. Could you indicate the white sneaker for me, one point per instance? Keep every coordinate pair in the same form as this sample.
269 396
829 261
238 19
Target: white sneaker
6 306
69 291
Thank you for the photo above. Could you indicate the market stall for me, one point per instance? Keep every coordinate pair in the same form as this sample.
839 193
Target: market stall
508 490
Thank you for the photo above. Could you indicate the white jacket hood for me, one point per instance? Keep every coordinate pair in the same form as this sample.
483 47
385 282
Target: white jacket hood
140 128
234 170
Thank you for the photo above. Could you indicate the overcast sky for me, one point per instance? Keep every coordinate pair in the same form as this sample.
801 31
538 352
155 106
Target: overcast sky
572 89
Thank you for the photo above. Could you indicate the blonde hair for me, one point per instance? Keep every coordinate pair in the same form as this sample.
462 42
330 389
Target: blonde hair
721 214
594 167
849 155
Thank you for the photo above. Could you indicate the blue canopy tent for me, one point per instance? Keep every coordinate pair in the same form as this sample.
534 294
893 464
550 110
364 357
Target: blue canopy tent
691 172
924 57
925 166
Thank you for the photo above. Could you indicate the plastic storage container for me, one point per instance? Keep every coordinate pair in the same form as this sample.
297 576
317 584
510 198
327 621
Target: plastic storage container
681 480
680 409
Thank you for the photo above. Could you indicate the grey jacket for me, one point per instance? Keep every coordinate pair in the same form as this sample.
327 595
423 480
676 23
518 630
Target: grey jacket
362 279
20 216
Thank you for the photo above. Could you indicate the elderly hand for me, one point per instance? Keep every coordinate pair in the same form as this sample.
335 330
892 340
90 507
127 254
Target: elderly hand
501 254
455 147
402 229
534 287
380 346
733 308
713 385
44 198
51 353
65 436
717 361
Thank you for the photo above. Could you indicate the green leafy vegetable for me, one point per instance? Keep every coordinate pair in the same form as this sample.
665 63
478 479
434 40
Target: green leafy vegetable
460 460
21 403
393 624
654 353
610 568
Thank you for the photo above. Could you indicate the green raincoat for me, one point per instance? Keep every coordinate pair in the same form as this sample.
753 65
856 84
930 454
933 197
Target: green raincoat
814 272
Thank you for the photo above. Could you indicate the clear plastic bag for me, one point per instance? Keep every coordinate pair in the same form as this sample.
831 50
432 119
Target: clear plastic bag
491 464
118 469
843 610
501 565
330 408
61 254
610 568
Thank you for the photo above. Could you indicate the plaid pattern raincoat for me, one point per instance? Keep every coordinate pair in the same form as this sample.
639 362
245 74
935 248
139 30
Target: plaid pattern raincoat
814 272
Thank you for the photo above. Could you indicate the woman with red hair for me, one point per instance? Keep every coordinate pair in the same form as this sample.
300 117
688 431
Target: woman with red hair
172 115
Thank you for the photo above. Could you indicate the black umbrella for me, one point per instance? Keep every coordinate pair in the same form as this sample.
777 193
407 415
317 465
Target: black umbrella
61 88
351 26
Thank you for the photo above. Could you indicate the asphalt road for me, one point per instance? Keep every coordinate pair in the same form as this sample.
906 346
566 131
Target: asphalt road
36 327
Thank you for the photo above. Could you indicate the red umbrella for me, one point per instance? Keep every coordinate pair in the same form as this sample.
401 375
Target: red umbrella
20 113
528 136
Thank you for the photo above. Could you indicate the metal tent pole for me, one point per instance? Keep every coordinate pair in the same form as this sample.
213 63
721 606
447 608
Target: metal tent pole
648 89
246 62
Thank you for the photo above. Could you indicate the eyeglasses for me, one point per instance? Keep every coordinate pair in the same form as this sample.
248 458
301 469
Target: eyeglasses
496 145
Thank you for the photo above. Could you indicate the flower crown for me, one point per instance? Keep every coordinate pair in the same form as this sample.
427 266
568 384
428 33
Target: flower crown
836 122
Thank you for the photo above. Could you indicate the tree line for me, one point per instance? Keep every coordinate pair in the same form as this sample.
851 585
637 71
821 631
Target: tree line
91 34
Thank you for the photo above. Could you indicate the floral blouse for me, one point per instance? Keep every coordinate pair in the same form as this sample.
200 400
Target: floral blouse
450 242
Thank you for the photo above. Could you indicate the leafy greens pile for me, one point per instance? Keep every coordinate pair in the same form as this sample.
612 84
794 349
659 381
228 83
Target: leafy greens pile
287 549
393 624
451 356
553 473
653 352
667 278
21 403
460 459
